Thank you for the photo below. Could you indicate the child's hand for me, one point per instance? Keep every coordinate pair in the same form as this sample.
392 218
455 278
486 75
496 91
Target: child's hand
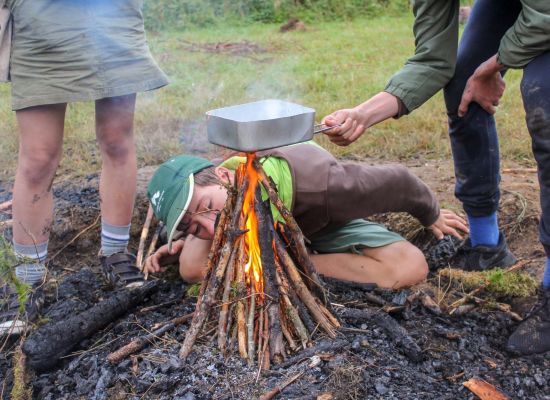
152 263
448 223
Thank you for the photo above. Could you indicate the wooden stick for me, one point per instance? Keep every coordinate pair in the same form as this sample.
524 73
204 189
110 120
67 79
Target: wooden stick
143 238
139 343
302 290
216 278
152 247
250 323
266 363
6 205
241 293
484 390
291 311
296 235
271 289
279 388
7 223
224 311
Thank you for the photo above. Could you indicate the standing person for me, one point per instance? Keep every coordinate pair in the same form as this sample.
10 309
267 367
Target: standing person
65 51
499 35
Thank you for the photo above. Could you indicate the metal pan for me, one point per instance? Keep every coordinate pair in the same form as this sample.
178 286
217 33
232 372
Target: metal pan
261 125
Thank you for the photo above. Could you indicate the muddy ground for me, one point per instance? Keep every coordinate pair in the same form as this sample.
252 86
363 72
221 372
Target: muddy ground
365 361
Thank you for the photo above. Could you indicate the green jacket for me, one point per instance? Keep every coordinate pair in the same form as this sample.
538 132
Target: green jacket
436 38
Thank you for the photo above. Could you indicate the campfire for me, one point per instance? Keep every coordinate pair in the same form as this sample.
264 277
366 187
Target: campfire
261 295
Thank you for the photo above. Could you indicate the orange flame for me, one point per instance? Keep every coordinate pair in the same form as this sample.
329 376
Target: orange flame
253 268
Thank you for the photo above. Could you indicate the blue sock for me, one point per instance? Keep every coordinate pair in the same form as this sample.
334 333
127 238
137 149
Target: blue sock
114 239
484 230
546 276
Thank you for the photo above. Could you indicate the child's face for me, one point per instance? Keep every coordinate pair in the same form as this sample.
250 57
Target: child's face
206 203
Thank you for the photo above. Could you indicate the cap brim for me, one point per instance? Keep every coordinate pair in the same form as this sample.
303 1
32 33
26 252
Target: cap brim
178 210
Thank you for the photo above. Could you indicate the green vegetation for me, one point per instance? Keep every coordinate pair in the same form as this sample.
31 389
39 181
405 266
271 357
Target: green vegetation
332 65
8 261
187 14
511 284
193 290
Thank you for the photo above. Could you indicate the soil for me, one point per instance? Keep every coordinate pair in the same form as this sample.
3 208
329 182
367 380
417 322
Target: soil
367 360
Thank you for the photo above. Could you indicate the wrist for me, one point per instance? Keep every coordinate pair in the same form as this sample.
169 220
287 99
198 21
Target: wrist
378 108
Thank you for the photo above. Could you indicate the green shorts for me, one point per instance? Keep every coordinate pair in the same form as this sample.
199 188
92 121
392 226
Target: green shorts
353 237
65 51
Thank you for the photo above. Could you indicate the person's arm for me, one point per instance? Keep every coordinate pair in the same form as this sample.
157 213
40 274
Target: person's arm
528 37
424 74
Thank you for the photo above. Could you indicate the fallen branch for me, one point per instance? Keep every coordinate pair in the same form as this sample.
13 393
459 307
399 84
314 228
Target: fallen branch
391 327
143 238
139 343
46 345
519 170
326 346
6 224
152 247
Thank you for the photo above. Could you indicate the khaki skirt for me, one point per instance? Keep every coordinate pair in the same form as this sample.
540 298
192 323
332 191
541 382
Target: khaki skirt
79 50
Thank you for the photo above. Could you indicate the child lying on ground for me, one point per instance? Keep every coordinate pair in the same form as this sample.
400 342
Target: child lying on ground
328 199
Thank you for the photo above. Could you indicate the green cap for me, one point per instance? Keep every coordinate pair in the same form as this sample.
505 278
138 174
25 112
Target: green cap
171 189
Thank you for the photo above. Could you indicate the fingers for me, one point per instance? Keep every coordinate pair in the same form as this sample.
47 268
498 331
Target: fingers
464 103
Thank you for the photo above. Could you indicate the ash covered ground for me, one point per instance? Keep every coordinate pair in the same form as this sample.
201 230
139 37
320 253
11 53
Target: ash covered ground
365 361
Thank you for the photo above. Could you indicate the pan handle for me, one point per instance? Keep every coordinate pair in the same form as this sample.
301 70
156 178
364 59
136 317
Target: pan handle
319 128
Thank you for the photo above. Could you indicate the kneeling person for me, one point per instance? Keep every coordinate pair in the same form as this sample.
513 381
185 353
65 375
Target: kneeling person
328 199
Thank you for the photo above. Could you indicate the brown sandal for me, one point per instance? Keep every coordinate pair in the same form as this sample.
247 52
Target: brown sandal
120 270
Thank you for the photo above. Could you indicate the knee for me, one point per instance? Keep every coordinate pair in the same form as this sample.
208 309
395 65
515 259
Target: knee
410 266
38 167
116 140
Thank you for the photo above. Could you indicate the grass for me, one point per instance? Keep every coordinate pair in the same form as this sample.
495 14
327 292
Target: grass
511 284
8 261
332 65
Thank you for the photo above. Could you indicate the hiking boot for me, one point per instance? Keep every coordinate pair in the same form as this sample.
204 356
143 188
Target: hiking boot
532 336
120 270
480 258
13 321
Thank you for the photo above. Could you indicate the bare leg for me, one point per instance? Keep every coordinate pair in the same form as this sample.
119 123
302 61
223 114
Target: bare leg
395 266
114 131
40 148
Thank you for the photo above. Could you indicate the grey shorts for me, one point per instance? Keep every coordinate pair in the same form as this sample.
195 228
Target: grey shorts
353 237
67 50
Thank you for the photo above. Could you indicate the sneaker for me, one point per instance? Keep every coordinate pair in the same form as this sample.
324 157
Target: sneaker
12 320
120 270
480 258
532 336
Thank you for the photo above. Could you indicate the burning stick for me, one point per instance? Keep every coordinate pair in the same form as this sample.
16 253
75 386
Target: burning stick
143 238
296 235
222 322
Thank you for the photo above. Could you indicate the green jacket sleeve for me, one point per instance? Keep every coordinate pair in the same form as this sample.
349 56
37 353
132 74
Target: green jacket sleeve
432 66
528 37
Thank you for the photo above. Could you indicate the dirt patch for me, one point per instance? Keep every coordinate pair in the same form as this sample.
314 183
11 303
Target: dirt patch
244 48
367 363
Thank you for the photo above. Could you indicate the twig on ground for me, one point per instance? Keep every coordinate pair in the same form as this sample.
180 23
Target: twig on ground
140 342
471 294
82 232
6 205
279 388
143 238
484 390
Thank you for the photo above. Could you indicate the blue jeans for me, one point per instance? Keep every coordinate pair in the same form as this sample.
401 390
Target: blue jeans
474 139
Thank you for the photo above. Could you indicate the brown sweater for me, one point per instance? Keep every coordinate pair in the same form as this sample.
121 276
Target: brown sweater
329 193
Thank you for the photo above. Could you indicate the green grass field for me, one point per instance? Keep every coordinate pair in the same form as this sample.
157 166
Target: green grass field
329 66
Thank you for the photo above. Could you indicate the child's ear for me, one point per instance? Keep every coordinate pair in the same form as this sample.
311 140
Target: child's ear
224 174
